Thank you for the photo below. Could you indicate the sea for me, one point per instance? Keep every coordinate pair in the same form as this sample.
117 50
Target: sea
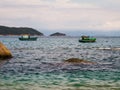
39 65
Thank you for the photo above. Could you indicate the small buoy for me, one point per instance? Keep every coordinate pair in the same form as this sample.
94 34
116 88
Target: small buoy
4 52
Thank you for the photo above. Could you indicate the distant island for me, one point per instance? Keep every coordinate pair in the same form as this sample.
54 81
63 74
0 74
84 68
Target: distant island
4 30
58 34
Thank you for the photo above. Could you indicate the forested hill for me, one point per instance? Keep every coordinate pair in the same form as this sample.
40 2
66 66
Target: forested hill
18 31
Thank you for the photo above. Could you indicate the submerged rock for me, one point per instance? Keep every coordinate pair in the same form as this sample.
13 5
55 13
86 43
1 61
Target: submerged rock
79 61
4 52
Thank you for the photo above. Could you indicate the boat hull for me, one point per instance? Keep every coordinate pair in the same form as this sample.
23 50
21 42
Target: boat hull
28 39
87 41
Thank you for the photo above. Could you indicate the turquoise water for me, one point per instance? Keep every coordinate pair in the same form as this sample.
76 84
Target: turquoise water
39 65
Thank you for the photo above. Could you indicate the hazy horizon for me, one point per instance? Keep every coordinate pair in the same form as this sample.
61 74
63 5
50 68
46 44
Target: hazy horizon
83 32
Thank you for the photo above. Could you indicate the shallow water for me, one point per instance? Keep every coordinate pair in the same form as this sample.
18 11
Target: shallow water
39 65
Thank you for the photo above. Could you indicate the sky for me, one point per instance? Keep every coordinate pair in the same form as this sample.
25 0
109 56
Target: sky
70 16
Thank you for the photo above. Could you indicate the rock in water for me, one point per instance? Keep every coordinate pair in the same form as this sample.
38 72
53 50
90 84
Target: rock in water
78 61
4 52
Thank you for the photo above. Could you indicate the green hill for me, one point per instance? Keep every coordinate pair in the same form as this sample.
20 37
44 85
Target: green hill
18 31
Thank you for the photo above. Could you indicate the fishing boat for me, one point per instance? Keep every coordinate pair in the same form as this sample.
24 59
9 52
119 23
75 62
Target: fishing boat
27 38
86 39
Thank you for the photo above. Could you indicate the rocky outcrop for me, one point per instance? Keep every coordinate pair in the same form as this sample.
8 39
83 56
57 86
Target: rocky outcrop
4 52
78 61
58 34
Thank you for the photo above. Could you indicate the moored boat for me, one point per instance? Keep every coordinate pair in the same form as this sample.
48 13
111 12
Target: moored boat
86 39
27 38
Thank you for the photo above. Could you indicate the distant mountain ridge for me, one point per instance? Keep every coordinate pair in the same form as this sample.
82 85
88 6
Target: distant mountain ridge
4 30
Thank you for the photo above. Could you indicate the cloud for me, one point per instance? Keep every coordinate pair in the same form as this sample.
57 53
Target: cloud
54 4
112 25
61 14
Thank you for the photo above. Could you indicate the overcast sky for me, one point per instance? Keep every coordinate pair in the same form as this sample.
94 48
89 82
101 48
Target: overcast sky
64 15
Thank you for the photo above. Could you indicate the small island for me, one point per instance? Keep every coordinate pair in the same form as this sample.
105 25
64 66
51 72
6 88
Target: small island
58 34
4 30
